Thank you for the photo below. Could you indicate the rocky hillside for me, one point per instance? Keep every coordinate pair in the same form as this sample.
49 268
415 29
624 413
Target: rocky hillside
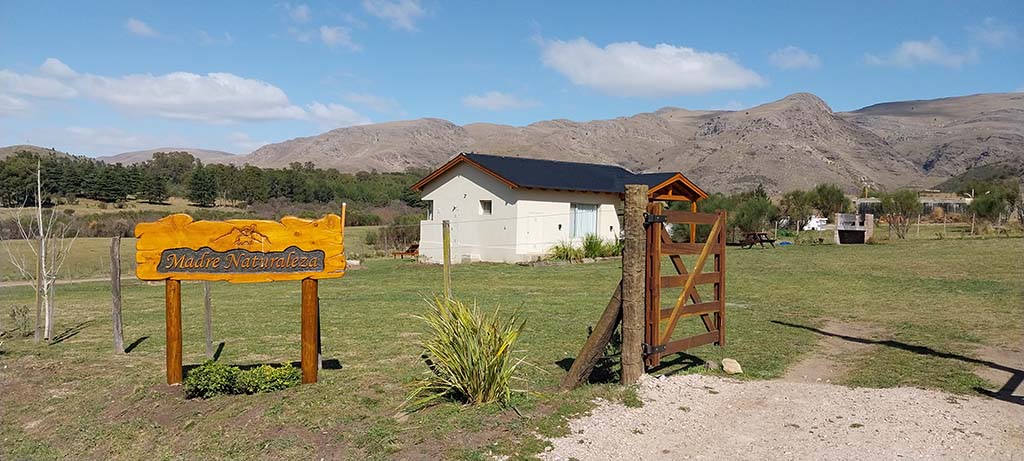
946 137
794 142
139 156
8 151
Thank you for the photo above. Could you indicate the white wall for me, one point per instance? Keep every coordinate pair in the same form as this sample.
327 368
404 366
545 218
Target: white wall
524 223
545 219
456 196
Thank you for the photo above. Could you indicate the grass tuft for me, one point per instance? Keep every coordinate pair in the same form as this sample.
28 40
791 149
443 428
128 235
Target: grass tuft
470 355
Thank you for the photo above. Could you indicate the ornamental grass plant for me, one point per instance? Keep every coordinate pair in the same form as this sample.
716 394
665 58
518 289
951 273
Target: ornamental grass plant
470 354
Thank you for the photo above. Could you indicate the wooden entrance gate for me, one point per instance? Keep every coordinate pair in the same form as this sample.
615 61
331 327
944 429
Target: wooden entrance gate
660 322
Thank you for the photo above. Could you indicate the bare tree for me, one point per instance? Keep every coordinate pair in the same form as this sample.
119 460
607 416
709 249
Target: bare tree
49 242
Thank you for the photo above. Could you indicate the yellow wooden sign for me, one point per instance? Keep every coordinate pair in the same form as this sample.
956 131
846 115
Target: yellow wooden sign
240 250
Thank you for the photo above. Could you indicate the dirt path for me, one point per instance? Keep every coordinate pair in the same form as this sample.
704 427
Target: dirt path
832 356
707 417
21 283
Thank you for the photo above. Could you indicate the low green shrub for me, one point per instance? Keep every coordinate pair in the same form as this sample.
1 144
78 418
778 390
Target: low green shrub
266 378
593 246
612 248
211 379
20 322
565 251
471 355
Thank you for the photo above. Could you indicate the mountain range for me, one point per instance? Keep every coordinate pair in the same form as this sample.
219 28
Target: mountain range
795 142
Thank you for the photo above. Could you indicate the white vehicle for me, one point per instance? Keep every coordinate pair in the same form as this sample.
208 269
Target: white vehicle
815 223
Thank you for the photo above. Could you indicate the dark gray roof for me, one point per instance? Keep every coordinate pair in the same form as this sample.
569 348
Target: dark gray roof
553 174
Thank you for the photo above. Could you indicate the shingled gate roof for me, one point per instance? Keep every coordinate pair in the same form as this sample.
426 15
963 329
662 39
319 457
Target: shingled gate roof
519 172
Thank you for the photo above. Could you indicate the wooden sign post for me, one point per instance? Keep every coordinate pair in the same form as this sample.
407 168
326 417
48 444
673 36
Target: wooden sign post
178 248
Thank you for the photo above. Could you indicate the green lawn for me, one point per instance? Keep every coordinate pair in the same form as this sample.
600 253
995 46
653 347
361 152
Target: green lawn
938 300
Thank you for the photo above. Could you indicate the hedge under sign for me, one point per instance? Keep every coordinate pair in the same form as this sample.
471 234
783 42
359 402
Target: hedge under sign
178 248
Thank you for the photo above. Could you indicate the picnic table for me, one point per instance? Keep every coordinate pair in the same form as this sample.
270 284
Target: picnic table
754 238
413 250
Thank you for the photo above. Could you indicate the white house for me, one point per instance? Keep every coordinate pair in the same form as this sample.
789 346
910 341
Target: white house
511 209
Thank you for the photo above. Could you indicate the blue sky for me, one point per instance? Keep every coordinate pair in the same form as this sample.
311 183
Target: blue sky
98 78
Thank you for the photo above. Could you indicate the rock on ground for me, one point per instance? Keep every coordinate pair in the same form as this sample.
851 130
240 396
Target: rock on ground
707 417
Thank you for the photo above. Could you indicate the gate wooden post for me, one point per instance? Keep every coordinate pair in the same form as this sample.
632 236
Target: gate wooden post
633 255
173 316
309 330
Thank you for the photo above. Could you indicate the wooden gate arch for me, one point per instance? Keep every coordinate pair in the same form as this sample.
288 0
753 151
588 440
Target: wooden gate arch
709 268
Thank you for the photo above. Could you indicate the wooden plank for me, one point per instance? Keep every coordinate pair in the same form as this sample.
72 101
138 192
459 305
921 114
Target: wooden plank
238 250
309 330
697 269
172 302
693 227
683 217
675 281
694 296
680 345
682 248
694 309
593 348
115 293
720 287
652 302
633 252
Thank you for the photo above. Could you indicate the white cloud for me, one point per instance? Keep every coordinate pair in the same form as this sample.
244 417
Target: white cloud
791 58
337 36
1020 90
215 97
105 140
631 69
993 32
299 13
333 115
402 14
244 143
732 105
912 53
207 39
375 103
55 68
212 98
140 28
35 86
496 100
10 105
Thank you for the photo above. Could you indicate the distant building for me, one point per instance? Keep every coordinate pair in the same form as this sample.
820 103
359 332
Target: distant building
930 200
511 209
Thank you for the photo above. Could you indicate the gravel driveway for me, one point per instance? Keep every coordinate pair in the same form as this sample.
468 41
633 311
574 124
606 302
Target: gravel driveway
707 417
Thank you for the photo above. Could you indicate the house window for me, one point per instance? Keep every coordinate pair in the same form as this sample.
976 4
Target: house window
430 210
485 207
584 219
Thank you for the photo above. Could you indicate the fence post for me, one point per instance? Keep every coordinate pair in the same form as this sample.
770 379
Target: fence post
115 293
633 253
446 235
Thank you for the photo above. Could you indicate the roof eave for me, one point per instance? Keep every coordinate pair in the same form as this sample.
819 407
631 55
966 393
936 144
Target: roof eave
461 158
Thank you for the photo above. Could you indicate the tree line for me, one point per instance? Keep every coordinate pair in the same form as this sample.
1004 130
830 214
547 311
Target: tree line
179 174
751 211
